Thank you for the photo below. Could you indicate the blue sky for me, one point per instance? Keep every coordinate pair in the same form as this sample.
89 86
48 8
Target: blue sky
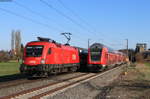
106 21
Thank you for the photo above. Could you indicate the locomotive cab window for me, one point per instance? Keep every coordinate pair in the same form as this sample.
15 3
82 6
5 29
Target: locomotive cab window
34 51
95 53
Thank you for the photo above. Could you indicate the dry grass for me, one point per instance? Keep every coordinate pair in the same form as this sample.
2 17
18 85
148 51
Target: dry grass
140 72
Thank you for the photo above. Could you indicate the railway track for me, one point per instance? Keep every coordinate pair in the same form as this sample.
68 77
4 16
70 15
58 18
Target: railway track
25 81
16 83
54 88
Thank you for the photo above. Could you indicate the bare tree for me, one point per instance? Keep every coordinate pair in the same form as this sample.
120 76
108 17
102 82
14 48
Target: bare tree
12 42
12 52
18 43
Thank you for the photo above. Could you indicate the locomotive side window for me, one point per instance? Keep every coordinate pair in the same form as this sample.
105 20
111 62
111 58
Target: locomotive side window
34 51
49 51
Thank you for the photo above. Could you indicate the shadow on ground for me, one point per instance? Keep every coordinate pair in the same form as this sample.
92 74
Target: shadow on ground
11 77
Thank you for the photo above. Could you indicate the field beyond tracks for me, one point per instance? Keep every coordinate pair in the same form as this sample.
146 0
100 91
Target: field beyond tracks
9 68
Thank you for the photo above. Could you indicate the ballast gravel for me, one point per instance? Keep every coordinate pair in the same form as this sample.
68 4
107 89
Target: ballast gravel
91 88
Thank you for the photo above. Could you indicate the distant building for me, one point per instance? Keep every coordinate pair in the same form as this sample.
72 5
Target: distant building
141 47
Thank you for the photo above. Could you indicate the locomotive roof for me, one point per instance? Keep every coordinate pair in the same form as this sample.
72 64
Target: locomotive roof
55 43
102 45
42 39
109 49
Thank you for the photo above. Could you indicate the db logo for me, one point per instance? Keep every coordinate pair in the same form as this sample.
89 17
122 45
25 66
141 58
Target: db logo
73 57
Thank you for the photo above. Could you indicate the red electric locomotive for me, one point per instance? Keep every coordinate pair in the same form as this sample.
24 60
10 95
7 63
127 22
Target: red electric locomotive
45 56
101 57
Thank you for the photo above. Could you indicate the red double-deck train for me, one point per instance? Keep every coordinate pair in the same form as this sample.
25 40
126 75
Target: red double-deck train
45 56
101 57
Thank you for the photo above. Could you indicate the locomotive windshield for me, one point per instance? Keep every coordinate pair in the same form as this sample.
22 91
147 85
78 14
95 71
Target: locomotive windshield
95 53
34 51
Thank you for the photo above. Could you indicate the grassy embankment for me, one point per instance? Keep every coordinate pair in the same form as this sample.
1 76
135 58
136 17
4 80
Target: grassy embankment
9 68
147 71
140 71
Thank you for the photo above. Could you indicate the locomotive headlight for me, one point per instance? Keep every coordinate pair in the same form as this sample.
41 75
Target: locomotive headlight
42 61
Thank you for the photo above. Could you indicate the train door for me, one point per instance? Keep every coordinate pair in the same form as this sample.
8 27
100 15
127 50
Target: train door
49 55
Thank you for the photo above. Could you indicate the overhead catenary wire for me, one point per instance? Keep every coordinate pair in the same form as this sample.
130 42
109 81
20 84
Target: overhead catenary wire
76 15
36 13
90 26
80 18
29 19
66 16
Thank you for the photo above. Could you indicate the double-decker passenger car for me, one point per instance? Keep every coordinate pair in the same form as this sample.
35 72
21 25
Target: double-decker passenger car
101 57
